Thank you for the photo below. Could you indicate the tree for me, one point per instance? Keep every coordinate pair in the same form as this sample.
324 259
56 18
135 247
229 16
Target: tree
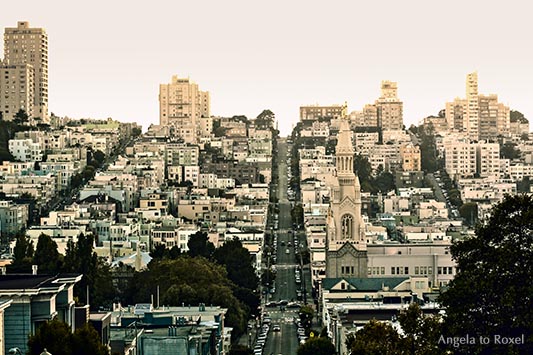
469 212
190 281
384 182
238 262
237 349
22 254
199 245
428 148
376 338
509 151
57 338
21 117
136 132
80 258
421 333
86 341
491 295
363 170
306 316
46 255
54 335
317 346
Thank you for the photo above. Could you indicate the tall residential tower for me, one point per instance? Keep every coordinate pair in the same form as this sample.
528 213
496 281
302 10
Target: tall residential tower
24 45
183 105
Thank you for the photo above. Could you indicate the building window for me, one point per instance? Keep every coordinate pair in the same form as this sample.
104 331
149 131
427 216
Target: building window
393 270
346 226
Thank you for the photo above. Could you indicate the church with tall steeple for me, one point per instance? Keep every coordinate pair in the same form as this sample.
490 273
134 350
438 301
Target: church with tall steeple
346 254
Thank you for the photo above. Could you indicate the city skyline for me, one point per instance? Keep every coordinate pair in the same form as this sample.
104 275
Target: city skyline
268 56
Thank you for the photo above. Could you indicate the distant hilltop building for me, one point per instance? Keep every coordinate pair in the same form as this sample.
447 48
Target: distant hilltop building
24 72
481 117
185 107
386 112
314 112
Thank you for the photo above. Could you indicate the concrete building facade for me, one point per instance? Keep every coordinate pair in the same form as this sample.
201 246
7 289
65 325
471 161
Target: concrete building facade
26 45
182 104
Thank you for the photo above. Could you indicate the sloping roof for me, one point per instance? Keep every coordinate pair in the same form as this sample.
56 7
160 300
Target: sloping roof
364 284
28 281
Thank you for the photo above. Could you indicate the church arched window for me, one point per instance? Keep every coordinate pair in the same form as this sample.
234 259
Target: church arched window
346 226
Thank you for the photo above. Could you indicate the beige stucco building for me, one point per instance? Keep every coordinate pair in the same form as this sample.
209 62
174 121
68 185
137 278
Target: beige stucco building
182 105
26 45
17 89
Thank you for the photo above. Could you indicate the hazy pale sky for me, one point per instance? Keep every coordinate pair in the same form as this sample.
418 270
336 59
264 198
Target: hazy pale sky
107 58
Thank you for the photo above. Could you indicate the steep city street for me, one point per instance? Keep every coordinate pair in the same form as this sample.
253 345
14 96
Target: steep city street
284 341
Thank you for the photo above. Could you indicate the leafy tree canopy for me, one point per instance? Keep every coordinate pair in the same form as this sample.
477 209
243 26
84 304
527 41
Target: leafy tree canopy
491 293
199 245
46 255
57 338
317 346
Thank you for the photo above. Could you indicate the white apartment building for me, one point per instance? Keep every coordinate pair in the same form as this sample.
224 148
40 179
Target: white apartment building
460 158
26 150
488 159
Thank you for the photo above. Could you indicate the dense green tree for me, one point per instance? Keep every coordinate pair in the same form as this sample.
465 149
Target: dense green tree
267 277
80 258
421 333
384 182
238 262
46 255
237 349
189 281
508 150
21 117
376 338
136 132
54 335
160 251
517 116
317 346
22 254
454 196
469 212
306 316
491 293
524 185
86 341
363 169
199 245
428 148
265 119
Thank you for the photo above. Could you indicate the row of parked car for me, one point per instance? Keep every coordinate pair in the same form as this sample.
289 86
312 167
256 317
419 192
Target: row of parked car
263 335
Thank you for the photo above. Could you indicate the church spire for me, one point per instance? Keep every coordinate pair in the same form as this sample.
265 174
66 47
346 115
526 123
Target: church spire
344 150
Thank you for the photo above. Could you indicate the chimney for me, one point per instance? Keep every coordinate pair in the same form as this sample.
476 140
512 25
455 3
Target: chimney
34 269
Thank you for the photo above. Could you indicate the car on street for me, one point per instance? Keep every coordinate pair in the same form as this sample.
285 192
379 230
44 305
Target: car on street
276 328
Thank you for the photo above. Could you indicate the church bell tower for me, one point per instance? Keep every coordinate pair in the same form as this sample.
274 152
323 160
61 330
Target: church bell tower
346 254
